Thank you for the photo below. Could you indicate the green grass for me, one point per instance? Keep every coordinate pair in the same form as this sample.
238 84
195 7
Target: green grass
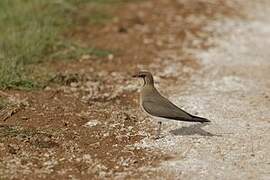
25 37
71 50
31 34
109 2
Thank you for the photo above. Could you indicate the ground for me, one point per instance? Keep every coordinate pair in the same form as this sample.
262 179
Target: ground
209 57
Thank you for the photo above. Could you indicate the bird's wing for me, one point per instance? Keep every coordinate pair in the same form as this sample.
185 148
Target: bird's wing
161 107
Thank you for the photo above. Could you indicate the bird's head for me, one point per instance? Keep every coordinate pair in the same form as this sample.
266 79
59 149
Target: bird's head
146 76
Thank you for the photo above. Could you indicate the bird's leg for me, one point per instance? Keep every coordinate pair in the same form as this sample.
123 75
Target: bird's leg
159 130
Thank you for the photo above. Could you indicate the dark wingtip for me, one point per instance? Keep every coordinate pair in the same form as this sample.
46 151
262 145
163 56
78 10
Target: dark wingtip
200 119
206 121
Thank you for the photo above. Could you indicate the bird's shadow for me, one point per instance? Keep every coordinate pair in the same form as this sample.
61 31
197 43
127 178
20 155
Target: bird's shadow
192 130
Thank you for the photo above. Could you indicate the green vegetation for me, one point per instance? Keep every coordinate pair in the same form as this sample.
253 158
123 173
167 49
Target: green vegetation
25 38
31 33
27 133
71 50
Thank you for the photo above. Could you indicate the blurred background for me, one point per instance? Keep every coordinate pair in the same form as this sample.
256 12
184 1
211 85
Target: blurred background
68 105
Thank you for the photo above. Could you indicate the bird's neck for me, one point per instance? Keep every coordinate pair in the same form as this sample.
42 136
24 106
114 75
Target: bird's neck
148 88
148 81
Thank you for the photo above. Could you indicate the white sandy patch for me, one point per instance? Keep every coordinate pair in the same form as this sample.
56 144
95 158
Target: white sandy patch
232 90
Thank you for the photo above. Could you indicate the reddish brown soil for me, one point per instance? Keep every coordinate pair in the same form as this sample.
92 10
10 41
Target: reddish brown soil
46 136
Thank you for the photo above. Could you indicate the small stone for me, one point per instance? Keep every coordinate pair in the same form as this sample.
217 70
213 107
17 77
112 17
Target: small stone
47 88
110 56
24 118
85 57
74 84
92 123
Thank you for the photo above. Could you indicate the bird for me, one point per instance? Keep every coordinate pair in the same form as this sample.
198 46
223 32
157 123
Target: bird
156 105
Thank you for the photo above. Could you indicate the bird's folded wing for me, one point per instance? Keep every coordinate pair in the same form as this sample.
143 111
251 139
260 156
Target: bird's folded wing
164 108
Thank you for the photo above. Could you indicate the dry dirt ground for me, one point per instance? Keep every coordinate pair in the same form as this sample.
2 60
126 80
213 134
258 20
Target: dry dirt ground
209 55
